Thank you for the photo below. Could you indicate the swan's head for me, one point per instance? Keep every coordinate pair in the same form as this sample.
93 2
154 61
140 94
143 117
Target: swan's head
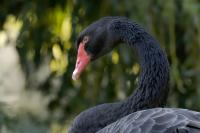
94 41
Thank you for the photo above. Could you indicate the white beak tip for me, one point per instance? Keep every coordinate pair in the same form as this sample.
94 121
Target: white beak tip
75 75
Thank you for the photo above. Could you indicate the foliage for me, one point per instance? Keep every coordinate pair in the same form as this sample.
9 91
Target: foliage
47 53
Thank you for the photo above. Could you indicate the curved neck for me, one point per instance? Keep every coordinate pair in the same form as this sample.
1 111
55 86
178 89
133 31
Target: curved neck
152 90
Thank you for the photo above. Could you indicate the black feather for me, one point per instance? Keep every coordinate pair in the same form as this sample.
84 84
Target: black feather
152 90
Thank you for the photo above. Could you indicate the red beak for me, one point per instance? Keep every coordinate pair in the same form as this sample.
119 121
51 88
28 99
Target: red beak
81 62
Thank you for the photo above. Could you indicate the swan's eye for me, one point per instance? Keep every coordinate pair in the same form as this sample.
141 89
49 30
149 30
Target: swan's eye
85 39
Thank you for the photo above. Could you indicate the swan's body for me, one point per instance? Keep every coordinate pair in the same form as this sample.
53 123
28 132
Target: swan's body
152 91
157 120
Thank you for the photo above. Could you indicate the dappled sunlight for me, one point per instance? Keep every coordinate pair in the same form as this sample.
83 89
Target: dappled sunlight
17 101
12 82
61 20
3 38
10 32
12 27
66 29
60 62
135 68
115 57
62 28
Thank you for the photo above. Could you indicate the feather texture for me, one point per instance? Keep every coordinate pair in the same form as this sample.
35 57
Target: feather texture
157 120
151 93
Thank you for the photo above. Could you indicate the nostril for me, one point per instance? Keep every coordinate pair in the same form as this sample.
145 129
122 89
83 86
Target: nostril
78 63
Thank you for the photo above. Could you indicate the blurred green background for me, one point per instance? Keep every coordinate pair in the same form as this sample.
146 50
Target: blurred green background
37 58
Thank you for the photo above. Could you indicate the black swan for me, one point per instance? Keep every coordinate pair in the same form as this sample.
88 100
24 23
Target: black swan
149 97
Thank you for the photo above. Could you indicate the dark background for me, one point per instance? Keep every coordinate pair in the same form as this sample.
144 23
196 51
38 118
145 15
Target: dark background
37 58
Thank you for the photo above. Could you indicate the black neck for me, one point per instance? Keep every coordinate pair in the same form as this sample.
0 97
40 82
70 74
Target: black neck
152 90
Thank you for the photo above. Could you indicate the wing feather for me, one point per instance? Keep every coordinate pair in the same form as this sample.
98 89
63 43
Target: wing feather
157 120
